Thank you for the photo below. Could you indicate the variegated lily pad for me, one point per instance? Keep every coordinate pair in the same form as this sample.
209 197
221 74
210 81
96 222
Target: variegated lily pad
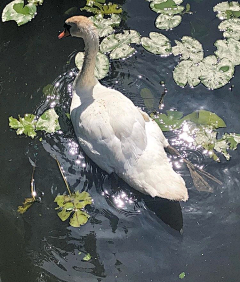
189 48
167 22
187 72
102 64
118 44
216 73
227 10
231 28
157 44
229 49
105 26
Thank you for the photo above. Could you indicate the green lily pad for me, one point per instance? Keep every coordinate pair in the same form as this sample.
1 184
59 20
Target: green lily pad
157 44
216 73
231 28
118 44
203 117
100 7
170 121
102 64
48 121
167 22
73 205
19 13
25 125
227 10
189 48
187 72
168 7
148 98
229 49
105 26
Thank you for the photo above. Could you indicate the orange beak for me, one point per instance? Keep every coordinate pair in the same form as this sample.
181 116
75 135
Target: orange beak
65 33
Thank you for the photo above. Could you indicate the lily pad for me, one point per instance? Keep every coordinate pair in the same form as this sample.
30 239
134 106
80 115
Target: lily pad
48 121
105 26
170 121
229 49
168 7
189 48
19 13
216 73
157 44
73 205
167 22
102 64
203 117
148 98
227 10
231 28
25 125
100 7
187 72
118 44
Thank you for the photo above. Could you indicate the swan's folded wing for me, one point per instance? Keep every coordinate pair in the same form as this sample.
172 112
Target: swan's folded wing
116 130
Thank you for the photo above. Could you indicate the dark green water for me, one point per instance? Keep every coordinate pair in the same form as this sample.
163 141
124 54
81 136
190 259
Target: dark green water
128 242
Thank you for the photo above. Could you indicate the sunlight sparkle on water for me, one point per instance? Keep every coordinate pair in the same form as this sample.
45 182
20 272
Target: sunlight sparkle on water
73 148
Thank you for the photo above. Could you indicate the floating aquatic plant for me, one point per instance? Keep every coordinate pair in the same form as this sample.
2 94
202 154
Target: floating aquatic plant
73 205
105 26
29 124
119 44
157 44
227 10
100 7
19 12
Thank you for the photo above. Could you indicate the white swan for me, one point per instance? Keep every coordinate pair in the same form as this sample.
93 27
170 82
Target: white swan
113 132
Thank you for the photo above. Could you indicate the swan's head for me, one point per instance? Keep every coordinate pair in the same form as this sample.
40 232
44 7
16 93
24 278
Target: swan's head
78 26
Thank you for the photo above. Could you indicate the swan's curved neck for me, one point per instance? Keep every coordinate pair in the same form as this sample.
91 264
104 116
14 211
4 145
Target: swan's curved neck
86 79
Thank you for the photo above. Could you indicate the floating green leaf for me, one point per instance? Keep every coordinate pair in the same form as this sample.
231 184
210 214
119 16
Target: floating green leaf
203 117
102 64
167 22
216 73
229 49
170 121
87 257
48 121
148 98
99 7
73 205
189 48
182 275
227 10
28 125
26 205
168 7
231 28
105 26
25 125
118 44
19 13
157 44
187 72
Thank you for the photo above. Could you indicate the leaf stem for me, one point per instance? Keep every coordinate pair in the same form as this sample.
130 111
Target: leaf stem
64 178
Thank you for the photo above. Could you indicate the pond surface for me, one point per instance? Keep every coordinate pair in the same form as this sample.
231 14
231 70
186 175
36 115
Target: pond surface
126 235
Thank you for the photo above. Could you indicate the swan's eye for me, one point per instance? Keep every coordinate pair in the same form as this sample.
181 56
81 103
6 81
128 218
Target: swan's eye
67 27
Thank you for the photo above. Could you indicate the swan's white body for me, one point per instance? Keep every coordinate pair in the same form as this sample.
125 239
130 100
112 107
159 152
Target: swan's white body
114 133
